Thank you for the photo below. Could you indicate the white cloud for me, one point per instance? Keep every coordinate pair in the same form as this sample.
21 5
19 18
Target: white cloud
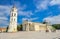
21 11
3 18
30 19
55 2
53 20
4 10
41 5
19 6
25 13
4 13
4 23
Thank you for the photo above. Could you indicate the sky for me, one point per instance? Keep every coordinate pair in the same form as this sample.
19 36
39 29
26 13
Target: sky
33 10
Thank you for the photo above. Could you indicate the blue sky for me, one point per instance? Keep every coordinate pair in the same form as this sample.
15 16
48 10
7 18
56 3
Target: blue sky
33 10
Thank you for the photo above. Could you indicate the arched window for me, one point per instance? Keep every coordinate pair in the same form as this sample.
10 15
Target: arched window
14 19
12 9
12 14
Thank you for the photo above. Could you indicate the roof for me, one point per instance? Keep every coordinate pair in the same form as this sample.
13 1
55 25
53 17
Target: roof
2 29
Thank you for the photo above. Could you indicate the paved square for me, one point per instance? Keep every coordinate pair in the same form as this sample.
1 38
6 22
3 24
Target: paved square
30 35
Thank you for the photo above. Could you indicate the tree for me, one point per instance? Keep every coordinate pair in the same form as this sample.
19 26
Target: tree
7 28
57 26
19 27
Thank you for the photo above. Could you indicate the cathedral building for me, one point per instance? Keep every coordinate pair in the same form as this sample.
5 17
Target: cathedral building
26 25
13 20
34 26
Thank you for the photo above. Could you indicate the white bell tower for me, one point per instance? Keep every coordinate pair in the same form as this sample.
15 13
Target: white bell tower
13 20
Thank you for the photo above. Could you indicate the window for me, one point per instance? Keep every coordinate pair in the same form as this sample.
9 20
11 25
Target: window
12 14
14 19
12 9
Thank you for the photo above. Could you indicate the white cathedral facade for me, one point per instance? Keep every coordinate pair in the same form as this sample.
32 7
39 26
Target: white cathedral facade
13 20
34 26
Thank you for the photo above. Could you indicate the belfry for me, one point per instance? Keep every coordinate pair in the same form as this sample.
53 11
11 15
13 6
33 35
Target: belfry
13 20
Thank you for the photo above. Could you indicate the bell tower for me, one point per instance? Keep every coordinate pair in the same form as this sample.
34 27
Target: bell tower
13 20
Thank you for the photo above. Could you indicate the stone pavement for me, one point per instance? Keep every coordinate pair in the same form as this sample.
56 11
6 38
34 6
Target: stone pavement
30 35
